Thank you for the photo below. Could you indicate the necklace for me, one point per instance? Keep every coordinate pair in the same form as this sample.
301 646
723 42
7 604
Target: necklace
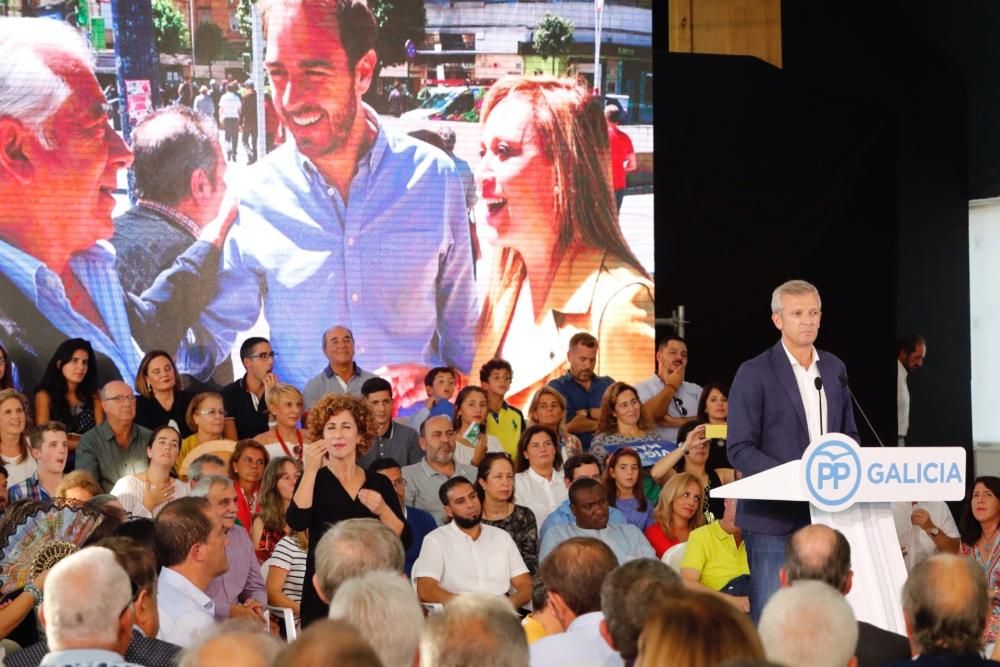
295 453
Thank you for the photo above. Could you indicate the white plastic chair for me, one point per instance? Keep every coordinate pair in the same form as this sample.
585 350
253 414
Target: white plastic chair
291 632
674 555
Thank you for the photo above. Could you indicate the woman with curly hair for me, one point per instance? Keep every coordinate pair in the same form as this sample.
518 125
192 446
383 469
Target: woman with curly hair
334 487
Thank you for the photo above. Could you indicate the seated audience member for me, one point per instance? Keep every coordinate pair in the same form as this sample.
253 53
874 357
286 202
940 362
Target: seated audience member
206 418
239 592
495 485
328 642
713 410
465 556
205 466
421 523
573 574
286 405
809 624
715 560
383 606
424 479
243 399
48 445
981 518
624 486
669 399
392 439
946 602
116 447
440 386
541 622
820 553
143 533
351 548
145 493
180 183
67 391
700 630
246 468
191 543
160 400
503 421
235 642
78 486
472 442
582 388
548 408
286 574
628 596
341 375
677 513
582 466
276 489
88 610
692 456
144 648
539 482
13 437
473 629
589 503
924 528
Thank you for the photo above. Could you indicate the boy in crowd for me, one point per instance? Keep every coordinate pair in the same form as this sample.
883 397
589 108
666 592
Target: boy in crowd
48 444
441 384
503 421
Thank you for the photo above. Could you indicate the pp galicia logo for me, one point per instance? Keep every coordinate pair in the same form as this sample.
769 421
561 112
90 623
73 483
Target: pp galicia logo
832 474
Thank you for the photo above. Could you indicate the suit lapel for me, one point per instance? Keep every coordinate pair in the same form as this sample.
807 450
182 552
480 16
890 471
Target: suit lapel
786 378
831 384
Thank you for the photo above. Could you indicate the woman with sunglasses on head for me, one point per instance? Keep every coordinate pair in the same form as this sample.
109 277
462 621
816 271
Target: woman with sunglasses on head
495 486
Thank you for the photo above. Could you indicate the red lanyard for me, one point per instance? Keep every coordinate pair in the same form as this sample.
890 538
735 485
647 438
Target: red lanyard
298 450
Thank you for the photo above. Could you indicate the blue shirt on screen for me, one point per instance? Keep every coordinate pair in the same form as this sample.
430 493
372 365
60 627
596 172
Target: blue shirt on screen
393 263
579 398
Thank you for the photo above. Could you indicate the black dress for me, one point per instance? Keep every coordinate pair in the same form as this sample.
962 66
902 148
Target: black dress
523 529
149 413
331 504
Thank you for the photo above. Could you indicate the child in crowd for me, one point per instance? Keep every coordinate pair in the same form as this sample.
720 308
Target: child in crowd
441 383
503 421
624 485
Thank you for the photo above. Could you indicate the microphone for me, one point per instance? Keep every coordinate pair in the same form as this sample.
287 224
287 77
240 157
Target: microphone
819 396
844 383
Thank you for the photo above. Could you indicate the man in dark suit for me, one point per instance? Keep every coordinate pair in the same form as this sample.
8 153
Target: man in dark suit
780 401
945 605
820 553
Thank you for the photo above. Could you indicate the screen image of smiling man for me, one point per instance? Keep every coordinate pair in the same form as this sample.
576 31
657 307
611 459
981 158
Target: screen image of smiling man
59 163
349 219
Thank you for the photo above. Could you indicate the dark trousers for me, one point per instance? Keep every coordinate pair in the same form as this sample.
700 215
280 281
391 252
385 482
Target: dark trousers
232 128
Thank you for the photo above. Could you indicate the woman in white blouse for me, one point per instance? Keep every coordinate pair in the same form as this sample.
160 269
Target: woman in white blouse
144 494
539 481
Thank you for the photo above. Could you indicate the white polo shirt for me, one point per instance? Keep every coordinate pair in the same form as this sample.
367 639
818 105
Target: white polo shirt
463 565
542 496
185 611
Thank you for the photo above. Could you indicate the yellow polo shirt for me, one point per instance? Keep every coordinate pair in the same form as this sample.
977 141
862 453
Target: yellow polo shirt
713 552
506 426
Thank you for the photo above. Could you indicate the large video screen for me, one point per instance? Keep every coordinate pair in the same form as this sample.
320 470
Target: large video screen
449 193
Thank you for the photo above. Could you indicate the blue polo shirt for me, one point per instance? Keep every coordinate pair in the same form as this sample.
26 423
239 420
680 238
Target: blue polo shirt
579 398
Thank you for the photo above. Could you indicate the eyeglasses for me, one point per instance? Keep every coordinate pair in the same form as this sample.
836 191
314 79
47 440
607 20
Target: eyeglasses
399 483
119 399
680 407
264 355
214 412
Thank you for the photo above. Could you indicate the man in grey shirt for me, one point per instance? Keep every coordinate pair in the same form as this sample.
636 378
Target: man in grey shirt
423 479
392 440
342 375
117 447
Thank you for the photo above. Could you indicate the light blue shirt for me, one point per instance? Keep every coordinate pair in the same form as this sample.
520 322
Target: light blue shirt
563 515
625 540
95 269
581 645
85 657
393 263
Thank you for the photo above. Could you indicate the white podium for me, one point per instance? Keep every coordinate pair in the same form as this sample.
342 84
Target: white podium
849 488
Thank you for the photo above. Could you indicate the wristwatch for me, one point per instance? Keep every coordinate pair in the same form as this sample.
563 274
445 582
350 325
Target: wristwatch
934 531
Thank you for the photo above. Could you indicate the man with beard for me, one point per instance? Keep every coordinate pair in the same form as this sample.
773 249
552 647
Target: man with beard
467 556
324 216
669 399
424 479
910 353
582 389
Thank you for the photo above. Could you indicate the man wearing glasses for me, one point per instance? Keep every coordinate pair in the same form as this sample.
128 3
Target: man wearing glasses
246 409
669 399
117 447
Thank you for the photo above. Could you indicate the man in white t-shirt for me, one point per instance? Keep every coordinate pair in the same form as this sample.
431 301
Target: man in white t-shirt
669 399
465 556
230 106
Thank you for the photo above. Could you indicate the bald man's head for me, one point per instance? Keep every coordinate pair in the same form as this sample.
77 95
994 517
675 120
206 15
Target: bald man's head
945 605
818 553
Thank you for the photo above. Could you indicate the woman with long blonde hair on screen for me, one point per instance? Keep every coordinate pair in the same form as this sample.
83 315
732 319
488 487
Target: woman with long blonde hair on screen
560 264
